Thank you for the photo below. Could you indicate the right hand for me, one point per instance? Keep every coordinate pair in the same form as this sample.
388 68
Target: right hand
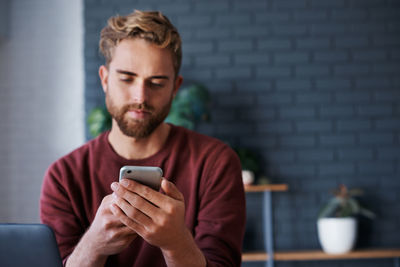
107 235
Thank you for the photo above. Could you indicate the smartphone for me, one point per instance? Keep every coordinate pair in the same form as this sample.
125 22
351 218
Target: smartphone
149 176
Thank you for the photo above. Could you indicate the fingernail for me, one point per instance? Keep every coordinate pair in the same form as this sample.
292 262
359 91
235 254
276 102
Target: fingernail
125 182
114 186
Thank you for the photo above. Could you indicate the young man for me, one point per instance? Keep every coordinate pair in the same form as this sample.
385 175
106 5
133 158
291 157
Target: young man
198 216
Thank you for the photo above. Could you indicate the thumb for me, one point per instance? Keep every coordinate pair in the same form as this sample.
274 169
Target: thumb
171 190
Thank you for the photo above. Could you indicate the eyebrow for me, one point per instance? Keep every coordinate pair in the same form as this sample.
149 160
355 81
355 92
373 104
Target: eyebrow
165 77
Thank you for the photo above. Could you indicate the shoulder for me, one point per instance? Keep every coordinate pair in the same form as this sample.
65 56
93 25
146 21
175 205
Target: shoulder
76 159
198 142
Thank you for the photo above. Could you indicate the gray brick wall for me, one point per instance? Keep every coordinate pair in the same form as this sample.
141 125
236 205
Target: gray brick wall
313 86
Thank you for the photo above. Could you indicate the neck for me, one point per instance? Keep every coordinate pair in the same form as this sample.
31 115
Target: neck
134 148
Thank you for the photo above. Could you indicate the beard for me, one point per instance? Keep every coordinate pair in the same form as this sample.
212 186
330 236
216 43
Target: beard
134 127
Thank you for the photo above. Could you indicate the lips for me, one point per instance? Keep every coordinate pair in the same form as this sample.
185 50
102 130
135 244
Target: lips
138 113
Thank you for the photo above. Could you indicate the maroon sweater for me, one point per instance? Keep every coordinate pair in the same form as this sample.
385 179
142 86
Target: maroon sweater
205 170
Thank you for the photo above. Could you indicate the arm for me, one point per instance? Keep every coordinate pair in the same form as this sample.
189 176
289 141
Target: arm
60 210
158 219
106 236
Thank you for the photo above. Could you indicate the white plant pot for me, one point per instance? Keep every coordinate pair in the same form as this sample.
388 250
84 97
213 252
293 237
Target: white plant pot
337 235
248 177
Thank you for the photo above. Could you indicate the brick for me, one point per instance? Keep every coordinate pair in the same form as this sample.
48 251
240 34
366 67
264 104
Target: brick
373 82
312 70
376 168
291 57
216 7
327 3
371 55
313 98
281 156
275 16
275 127
254 31
389 153
262 142
386 13
299 170
353 97
351 69
374 110
351 41
329 29
337 139
367 27
245 45
315 155
258 114
310 16
313 43
376 138
233 19
336 111
331 56
289 30
212 33
249 5
348 14
354 125
293 85
256 86
274 44
355 154
197 74
233 73
386 68
388 124
336 169
298 141
213 60
274 98
284 4
194 21
234 129
252 58
313 126
235 100
336 84
273 72
197 47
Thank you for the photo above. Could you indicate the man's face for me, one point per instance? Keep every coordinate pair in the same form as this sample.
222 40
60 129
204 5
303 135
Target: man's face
139 85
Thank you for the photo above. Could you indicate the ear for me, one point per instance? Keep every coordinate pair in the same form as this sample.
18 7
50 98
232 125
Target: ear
103 73
178 83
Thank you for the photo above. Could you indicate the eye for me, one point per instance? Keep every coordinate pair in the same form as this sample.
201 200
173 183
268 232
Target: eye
126 78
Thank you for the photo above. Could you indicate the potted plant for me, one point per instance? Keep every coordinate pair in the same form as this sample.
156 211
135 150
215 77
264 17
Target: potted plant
337 221
250 164
190 105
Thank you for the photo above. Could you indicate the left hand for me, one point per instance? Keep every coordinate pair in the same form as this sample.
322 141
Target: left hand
158 218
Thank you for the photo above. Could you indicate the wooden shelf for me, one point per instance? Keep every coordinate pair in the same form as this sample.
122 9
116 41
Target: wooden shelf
320 255
267 187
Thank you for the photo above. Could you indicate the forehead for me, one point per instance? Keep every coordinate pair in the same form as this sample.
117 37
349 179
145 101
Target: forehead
142 57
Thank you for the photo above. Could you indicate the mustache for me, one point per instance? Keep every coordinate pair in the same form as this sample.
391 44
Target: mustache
139 106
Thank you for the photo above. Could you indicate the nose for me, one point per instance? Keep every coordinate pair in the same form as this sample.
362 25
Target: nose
138 92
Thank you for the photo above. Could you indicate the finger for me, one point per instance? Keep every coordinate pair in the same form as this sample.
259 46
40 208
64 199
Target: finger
130 224
132 212
171 190
152 196
135 200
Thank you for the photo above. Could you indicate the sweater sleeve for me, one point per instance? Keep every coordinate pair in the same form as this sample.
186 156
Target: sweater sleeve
56 210
221 218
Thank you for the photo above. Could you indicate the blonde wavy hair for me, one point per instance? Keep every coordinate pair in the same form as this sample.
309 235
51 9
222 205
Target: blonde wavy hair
152 26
